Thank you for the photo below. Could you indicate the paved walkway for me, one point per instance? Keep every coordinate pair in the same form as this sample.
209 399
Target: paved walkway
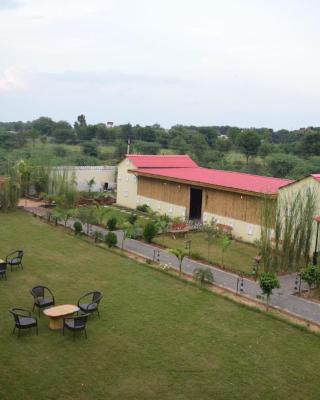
282 298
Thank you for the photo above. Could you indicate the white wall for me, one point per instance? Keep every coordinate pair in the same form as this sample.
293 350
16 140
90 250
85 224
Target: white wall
83 174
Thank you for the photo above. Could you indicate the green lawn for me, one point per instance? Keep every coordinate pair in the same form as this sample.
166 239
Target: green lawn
158 337
122 216
238 257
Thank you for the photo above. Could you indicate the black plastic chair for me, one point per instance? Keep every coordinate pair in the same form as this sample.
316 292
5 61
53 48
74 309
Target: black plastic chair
14 259
23 320
43 297
3 270
76 324
89 302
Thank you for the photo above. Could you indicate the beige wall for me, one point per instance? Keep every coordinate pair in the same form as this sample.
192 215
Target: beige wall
126 185
240 229
162 207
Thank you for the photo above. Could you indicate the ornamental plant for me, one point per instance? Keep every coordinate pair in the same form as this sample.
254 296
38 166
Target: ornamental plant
180 254
77 226
149 232
111 239
311 275
268 281
112 224
203 275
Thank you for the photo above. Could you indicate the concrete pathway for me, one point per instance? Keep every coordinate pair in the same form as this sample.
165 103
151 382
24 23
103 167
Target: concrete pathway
282 298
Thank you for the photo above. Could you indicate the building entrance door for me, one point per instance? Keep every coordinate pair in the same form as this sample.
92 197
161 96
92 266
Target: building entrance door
195 204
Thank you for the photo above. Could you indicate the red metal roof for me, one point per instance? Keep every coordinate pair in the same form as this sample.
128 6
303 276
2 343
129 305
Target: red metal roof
165 161
223 179
316 177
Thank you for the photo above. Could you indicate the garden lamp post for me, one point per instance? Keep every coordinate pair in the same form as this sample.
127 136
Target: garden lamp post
188 245
156 255
297 284
315 253
240 285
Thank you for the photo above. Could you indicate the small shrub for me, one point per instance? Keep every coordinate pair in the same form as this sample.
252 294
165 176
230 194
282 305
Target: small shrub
311 275
132 231
97 236
149 232
111 239
112 223
143 208
77 227
203 275
196 255
268 281
132 219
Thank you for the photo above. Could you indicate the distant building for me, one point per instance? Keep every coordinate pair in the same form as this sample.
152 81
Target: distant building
175 185
104 176
109 124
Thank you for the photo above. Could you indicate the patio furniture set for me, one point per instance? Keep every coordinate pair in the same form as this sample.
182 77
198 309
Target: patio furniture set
14 260
61 317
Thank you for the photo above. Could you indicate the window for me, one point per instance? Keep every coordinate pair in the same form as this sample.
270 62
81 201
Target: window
158 206
126 193
250 229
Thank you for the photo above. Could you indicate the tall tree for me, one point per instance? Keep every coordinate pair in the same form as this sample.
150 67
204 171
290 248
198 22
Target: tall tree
249 142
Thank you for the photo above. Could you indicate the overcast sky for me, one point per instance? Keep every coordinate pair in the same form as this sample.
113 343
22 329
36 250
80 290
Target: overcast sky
203 62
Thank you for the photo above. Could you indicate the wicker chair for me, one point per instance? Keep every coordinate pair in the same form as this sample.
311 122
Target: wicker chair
23 320
14 259
89 302
3 270
76 324
43 297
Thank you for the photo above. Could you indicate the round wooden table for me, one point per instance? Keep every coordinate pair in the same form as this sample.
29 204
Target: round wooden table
57 313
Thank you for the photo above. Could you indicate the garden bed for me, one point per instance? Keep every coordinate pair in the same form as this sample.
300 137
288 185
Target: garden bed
239 257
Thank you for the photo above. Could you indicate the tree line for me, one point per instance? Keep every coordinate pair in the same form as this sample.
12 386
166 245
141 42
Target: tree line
263 151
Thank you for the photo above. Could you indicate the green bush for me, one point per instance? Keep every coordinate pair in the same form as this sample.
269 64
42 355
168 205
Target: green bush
143 208
111 239
311 275
149 232
196 255
77 227
203 275
97 236
112 223
132 219
268 281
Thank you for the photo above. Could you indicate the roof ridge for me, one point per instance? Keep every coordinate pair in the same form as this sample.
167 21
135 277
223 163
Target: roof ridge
157 155
245 173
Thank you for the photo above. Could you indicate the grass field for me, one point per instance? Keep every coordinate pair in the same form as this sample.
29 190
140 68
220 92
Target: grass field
238 257
122 216
158 337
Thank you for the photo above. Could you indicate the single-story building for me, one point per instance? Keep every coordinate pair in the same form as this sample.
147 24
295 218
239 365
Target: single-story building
104 176
175 185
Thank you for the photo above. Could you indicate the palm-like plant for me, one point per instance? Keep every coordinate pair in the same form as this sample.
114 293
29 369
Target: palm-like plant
161 223
180 254
101 212
203 275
